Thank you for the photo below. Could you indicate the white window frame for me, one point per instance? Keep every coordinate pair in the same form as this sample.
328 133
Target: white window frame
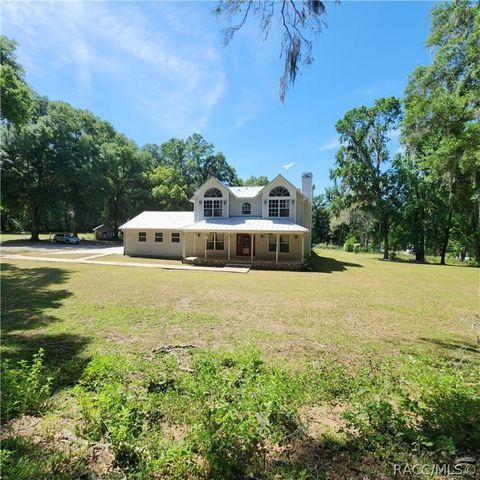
284 243
216 241
175 237
158 237
142 237
246 208
215 207
277 205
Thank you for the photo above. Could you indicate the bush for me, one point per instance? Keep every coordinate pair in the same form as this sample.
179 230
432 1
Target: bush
25 386
228 409
351 245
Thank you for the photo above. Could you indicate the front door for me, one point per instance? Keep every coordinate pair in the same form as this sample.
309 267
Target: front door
244 244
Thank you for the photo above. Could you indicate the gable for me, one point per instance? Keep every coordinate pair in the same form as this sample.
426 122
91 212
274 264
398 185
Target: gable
212 182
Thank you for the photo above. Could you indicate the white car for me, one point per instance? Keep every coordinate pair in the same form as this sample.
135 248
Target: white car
67 238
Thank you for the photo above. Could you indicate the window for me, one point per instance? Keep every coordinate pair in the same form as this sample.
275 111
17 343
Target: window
273 208
284 243
142 236
279 208
246 209
279 192
159 237
272 243
175 238
212 208
284 208
213 193
215 241
284 246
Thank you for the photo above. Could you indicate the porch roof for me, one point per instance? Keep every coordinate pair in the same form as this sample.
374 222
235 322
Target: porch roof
248 225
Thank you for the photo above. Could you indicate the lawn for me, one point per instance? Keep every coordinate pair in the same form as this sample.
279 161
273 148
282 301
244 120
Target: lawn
361 344
353 304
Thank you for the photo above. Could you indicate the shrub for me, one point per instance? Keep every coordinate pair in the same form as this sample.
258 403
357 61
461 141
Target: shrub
25 386
229 408
351 245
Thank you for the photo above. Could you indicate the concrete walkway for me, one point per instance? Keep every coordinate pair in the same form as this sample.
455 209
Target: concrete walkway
127 264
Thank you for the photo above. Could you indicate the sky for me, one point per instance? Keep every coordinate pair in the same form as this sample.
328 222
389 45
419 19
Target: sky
158 70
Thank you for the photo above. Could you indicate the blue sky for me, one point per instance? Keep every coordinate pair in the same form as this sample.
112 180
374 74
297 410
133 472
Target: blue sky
158 70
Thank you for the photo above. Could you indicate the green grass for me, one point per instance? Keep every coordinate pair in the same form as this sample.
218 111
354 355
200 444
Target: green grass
353 304
384 349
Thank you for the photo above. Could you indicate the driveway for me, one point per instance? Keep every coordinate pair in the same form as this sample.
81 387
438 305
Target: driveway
55 248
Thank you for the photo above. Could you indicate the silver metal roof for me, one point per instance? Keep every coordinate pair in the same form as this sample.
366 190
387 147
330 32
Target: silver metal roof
159 220
245 192
243 224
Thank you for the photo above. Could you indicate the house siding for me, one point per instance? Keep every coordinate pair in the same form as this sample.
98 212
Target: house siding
150 248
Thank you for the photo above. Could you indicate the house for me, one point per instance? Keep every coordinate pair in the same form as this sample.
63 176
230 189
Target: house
102 232
269 224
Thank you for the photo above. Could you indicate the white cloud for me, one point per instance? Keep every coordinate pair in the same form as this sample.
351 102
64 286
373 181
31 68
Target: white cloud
176 83
288 166
330 145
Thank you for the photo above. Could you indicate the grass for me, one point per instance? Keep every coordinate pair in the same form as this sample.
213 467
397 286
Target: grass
127 258
353 304
384 349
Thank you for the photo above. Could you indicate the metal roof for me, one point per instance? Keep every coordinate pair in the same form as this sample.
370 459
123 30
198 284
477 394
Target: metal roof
245 192
243 224
159 220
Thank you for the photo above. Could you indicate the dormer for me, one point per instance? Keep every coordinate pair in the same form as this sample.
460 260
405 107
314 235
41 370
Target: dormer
211 200
279 199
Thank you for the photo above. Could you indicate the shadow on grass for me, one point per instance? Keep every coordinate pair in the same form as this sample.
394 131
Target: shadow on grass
26 297
454 345
328 265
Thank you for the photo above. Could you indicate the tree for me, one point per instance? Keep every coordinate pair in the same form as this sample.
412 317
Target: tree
442 104
254 181
320 220
16 99
124 176
301 23
30 168
362 172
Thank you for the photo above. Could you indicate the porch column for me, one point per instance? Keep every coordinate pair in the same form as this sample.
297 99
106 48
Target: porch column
206 238
194 246
228 246
303 247
277 247
183 245
252 246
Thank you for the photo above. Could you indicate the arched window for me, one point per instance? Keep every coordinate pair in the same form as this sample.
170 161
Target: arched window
279 207
279 192
246 208
213 193
213 208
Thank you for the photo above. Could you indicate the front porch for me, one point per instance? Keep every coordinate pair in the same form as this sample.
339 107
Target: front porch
261 249
258 263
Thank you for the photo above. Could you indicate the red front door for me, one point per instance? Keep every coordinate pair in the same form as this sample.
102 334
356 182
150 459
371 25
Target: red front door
244 244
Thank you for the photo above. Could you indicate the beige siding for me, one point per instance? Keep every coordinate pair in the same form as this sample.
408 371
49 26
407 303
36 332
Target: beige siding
236 206
261 247
150 248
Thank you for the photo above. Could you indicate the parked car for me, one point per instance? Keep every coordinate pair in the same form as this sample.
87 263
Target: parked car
67 238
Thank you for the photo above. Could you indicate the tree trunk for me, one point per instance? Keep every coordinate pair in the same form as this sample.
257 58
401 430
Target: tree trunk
385 240
75 223
35 223
420 239
115 221
446 237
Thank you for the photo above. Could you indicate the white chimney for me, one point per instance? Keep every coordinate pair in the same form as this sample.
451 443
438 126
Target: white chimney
307 185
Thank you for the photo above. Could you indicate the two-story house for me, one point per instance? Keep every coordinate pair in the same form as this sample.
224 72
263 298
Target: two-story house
247 224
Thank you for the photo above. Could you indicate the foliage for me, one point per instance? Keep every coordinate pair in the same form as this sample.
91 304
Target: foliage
299 20
16 105
24 386
228 409
362 162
